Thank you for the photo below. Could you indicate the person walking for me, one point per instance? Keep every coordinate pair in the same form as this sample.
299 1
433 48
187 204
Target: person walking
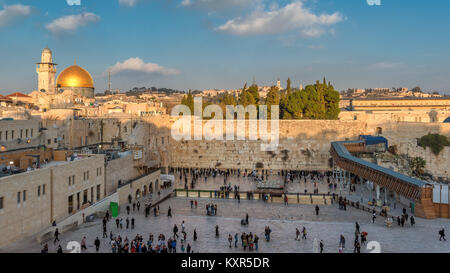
255 241
297 234
97 244
175 231
83 243
217 230
342 242
132 223
236 239
56 236
169 212
195 236
357 227
117 223
105 235
317 209
230 239
304 233
413 221
321 246
442 234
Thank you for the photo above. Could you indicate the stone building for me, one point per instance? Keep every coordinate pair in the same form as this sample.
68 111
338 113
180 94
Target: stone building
31 201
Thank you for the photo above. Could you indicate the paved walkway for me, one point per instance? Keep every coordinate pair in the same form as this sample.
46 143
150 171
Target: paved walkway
283 220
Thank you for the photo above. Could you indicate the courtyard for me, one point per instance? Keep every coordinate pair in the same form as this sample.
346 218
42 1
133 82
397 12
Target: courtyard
283 221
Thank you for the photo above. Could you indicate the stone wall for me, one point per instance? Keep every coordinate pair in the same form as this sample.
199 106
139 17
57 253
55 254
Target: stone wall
121 169
23 218
304 145
140 187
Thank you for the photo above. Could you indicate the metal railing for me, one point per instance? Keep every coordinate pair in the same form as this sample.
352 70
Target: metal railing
293 198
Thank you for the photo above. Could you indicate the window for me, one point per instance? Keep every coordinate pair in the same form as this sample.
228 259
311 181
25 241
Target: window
162 140
78 200
98 192
92 194
70 204
55 140
6 135
85 196
379 131
49 141
21 133
18 197
71 180
24 197
1 135
1 202
31 132
43 189
12 134
26 132
39 191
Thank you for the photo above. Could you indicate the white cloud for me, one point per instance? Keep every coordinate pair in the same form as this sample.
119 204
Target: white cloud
128 3
12 13
138 65
72 22
293 16
215 5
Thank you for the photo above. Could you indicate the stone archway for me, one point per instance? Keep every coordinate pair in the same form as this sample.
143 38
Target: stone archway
138 194
150 188
144 193
157 186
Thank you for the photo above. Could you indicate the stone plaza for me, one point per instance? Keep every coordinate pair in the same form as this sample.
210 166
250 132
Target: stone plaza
282 220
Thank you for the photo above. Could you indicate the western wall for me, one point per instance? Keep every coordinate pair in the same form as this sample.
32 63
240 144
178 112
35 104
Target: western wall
305 145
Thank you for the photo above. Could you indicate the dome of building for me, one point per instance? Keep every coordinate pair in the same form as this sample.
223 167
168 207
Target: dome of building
74 76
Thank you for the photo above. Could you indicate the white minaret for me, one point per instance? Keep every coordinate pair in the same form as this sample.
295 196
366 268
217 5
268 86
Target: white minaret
46 70
279 84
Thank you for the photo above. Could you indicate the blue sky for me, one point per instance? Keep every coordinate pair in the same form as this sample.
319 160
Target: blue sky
202 44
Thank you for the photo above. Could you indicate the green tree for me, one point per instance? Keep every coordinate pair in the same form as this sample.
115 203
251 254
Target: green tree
288 87
418 165
188 100
332 109
273 98
253 90
246 98
436 142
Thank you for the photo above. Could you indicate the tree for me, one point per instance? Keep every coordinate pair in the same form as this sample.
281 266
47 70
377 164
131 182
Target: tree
273 98
253 90
417 165
246 98
436 142
332 109
416 89
288 86
188 101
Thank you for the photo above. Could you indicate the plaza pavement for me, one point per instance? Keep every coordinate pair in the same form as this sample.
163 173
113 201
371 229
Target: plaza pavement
283 220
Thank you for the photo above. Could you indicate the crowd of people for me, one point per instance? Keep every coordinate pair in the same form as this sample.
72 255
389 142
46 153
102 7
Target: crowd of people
247 240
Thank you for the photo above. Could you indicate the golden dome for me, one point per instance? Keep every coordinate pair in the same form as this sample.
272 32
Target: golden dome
74 76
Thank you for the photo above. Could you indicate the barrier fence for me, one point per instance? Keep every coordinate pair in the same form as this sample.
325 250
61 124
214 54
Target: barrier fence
293 198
